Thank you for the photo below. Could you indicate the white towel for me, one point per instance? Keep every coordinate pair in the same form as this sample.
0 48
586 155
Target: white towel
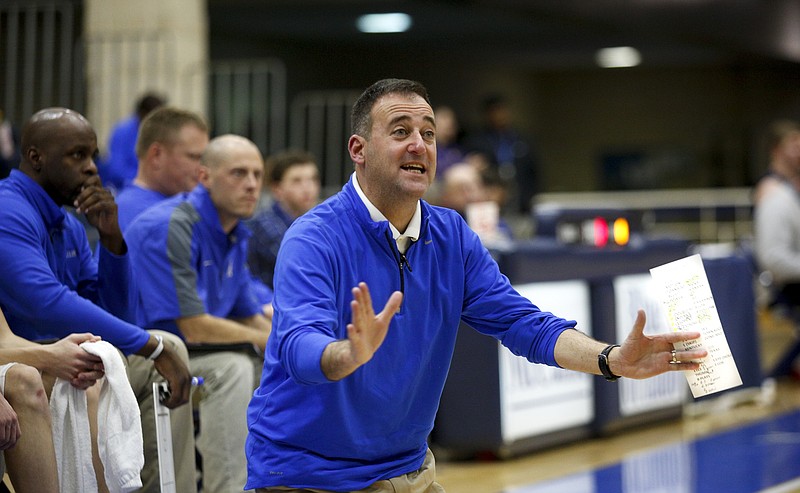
119 429
72 439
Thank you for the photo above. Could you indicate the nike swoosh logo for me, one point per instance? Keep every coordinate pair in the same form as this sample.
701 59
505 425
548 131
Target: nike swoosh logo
428 242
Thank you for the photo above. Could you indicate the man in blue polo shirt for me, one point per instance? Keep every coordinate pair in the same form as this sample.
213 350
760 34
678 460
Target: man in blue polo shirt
53 286
171 141
190 252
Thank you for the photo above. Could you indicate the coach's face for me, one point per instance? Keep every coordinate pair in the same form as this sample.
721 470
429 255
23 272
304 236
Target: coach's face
398 157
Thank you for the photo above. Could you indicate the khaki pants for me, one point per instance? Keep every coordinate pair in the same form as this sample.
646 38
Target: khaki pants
423 480
229 384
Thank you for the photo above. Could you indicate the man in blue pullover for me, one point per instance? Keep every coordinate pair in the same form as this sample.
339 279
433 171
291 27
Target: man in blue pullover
53 286
347 397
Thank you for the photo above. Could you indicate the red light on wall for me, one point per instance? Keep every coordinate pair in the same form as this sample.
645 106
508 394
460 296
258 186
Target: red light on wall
600 232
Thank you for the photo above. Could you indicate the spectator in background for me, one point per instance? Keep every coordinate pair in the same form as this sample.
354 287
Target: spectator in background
294 183
509 152
495 188
190 252
448 147
122 161
461 185
9 146
464 186
169 147
777 222
53 286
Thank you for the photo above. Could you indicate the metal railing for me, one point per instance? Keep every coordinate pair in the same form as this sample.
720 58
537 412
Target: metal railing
42 63
248 97
41 59
320 124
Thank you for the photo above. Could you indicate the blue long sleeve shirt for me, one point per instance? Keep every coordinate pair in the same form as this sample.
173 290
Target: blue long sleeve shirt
52 285
268 228
309 432
122 160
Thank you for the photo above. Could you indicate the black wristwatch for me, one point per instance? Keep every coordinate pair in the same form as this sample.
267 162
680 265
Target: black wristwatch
602 362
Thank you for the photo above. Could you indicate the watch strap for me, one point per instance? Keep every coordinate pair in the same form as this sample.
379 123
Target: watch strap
602 362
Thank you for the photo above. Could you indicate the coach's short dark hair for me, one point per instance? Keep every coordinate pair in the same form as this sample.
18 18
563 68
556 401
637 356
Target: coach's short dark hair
360 120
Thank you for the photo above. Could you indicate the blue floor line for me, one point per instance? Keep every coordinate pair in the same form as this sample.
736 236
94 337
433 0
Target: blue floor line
763 456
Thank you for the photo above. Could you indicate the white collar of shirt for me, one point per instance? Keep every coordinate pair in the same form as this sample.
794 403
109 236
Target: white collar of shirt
403 239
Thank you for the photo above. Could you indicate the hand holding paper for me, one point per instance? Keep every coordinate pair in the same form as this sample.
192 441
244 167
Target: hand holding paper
686 295
645 356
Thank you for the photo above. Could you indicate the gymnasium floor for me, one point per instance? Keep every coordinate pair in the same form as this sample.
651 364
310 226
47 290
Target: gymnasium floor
742 443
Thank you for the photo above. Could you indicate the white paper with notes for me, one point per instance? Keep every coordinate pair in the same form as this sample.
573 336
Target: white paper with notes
682 287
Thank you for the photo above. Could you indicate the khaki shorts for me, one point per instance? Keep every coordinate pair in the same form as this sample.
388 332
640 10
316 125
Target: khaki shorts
3 370
423 480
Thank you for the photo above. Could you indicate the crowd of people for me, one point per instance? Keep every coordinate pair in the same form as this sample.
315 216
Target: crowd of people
323 331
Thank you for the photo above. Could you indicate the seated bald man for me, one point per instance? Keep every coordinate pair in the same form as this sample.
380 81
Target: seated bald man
191 252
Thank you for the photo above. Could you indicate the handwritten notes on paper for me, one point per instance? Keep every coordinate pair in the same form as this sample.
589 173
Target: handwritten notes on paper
686 295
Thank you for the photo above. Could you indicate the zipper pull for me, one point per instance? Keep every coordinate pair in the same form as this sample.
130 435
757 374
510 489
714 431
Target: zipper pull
404 261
